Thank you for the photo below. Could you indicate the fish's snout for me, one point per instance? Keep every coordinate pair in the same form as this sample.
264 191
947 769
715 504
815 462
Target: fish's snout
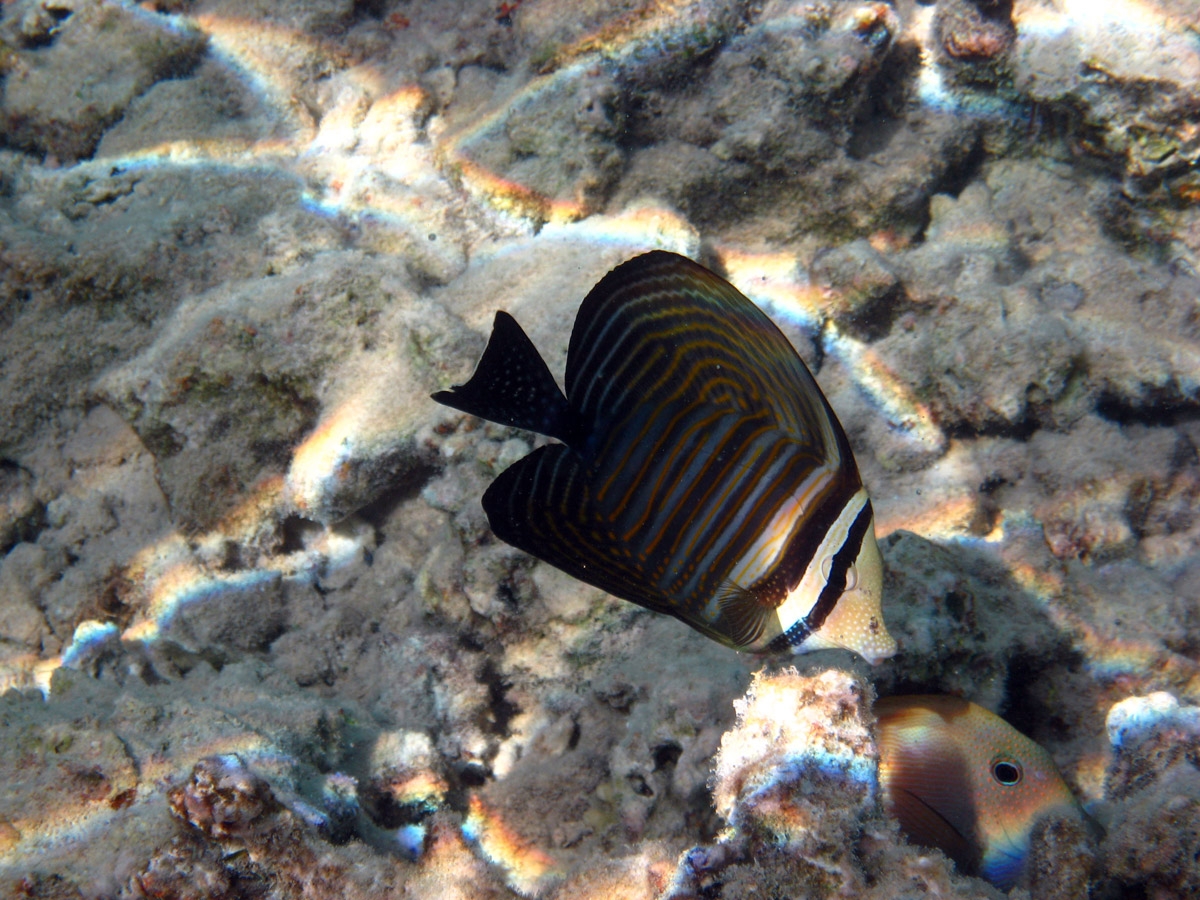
876 643
882 646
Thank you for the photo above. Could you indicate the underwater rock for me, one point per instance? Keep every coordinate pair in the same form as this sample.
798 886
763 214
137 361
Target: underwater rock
20 514
209 105
960 619
222 799
1153 841
989 295
1140 346
555 145
233 622
99 491
107 254
24 575
112 753
74 68
979 324
261 842
72 769
971 32
226 400
797 771
859 282
756 170
1125 84
1149 735
1062 859
309 17
406 785
543 151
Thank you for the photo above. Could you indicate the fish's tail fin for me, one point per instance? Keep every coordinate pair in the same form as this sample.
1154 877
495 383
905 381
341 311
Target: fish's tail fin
512 385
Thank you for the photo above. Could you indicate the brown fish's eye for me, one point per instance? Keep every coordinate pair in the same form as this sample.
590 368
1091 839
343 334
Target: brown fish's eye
1006 772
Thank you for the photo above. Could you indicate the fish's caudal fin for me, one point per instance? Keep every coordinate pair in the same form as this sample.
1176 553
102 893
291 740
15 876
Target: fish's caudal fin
512 385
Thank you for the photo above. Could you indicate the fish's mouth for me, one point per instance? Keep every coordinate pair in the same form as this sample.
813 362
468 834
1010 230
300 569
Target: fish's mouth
870 639
883 647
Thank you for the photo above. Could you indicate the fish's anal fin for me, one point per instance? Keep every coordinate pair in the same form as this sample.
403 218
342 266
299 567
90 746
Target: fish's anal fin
541 504
512 385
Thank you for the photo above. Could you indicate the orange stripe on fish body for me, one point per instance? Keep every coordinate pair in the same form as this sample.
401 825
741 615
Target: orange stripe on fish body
701 472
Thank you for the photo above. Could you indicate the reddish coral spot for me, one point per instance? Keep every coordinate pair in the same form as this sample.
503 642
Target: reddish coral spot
504 12
123 799
977 45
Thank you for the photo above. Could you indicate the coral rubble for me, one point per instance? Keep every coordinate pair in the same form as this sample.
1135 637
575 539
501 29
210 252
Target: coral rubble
256 639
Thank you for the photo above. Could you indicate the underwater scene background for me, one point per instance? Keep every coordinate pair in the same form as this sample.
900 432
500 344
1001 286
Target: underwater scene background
256 637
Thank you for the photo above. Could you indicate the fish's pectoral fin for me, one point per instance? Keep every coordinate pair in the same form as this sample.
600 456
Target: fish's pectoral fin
743 615
512 385
928 827
541 504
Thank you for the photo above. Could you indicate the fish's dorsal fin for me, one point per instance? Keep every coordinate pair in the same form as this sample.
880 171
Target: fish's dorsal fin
512 385
541 504
661 329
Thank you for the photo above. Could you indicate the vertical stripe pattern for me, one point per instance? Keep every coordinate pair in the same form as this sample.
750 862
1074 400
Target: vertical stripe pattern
705 467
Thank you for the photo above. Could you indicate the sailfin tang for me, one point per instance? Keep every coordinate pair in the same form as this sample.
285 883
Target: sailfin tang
512 385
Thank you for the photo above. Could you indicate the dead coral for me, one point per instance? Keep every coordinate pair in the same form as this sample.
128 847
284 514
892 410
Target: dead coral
222 798
1153 840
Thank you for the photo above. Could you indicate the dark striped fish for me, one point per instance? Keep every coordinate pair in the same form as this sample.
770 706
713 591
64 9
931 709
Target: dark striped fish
701 472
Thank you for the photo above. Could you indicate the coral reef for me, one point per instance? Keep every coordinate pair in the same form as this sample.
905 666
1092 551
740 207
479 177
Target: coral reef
113 54
796 772
256 639
796 780
1154 828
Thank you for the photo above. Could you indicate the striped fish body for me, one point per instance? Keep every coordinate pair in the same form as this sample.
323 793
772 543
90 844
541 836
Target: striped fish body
701 472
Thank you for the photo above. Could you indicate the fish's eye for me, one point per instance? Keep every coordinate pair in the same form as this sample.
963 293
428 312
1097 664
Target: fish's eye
1006 771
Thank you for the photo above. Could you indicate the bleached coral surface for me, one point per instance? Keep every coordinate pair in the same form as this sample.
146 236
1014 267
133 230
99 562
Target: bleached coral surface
256 637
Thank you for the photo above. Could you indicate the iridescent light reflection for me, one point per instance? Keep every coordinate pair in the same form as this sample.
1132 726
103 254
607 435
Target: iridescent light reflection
527 869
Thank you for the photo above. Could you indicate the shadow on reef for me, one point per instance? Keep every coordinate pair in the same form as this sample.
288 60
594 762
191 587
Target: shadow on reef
966 626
